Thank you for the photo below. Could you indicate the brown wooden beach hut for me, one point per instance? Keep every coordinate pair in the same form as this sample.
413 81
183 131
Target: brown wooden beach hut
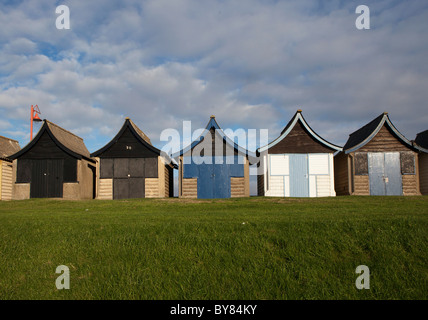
129 166
55 164
422 144
7 147
377 160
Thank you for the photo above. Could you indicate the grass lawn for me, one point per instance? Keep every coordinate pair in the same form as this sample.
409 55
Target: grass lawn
250 248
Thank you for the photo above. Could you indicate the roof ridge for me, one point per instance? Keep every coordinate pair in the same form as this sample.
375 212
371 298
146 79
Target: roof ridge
54 124
9 139
138 130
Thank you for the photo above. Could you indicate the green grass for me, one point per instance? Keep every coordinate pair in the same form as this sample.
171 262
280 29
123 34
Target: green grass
251 248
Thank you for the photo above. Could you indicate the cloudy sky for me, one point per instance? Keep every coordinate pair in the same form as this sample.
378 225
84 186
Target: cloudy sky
250 63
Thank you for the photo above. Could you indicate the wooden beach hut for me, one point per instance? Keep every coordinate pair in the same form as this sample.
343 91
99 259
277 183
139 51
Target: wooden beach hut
422 144
129 166
377 160
7 147
55 164
299 163
213 166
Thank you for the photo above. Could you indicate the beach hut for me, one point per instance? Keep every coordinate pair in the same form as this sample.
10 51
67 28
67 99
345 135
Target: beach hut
213 166
377 160
129 166
299 163
7 147
55 164
422 144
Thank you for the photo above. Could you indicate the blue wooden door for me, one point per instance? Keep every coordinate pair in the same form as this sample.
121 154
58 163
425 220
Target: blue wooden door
221 183
299 175
393 179
206 180
385 174
376 174
214 178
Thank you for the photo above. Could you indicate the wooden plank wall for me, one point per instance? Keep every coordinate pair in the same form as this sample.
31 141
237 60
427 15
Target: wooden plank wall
411 181
410 185
105 191
341 177
151 187
246 177
237 187
6 180
189 188
276 187
261 185
384 141
323 186
423 173
361 186
1 165
299 141
166 193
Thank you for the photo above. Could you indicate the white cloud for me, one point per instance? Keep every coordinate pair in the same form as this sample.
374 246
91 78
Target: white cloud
250 63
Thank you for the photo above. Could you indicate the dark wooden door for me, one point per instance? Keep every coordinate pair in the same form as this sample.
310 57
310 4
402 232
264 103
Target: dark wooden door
129 178
47 178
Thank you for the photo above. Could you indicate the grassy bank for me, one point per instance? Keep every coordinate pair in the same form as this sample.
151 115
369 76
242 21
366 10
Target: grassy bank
252 248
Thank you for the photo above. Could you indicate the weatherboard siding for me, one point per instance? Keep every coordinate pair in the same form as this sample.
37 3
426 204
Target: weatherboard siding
189 188
323 186
151 187
261 185
410 185
6 180
384 141
361 186
105 189
299 141
237 187
423 173
341 174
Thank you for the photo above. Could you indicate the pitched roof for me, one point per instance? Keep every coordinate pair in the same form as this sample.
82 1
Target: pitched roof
212 124
422 140
8 147
141 137
67 141
365 134
298 117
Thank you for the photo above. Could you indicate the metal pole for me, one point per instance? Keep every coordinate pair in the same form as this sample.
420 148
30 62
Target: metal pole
31 133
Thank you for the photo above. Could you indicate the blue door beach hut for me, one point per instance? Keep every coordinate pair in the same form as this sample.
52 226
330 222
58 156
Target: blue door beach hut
377 160
213 166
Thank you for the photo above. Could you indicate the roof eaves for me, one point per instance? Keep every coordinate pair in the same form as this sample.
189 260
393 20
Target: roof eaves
291 124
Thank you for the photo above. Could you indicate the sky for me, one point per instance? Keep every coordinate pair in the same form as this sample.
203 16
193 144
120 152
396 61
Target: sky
250 63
